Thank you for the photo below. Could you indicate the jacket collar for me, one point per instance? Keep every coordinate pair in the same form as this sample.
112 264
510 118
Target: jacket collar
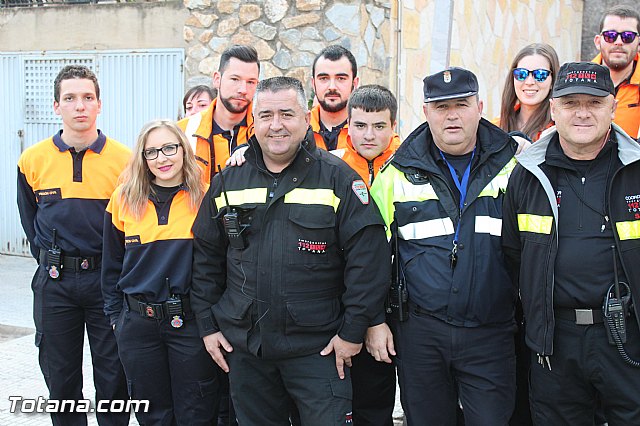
96 146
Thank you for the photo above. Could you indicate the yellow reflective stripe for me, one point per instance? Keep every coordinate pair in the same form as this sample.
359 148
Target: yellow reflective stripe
628 230
243 196
321 196
499 183
535 223
405 191
489 225
426 229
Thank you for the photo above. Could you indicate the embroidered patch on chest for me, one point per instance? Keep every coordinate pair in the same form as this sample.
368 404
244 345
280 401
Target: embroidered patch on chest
633 205
132 240
46 195
360 189
317 247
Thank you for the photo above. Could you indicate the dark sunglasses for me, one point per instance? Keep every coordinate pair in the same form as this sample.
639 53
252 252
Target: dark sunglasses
626 36
540 75
167 150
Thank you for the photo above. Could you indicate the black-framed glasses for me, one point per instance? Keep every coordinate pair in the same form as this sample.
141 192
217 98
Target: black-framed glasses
611 36
539 75
167 150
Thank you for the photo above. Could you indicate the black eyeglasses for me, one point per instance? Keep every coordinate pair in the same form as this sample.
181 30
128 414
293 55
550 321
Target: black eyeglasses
539 75
626 36
167 150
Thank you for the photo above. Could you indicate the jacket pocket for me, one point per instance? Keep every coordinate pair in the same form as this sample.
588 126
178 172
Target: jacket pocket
314 313
311 234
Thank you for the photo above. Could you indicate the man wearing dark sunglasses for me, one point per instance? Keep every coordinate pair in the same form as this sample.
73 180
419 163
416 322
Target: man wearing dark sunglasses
618 43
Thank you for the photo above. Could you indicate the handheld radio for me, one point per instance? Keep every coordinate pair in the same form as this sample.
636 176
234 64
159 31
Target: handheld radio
231 221
398 297
54 257
616 307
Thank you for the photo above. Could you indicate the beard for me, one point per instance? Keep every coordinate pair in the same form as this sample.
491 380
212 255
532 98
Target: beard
332 107
234 109
618 63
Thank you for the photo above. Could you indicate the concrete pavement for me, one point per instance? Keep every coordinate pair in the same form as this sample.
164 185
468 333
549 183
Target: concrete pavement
19 370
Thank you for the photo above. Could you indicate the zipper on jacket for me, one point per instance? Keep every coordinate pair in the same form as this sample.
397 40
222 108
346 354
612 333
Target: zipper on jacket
273 188
580 220
370 164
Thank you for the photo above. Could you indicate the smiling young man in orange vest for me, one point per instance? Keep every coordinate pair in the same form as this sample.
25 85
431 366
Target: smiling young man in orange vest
618 43
334 74
372 113
228 121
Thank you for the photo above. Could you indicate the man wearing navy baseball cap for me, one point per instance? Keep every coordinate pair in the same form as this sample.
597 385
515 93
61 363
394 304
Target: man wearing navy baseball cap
572 237
441 199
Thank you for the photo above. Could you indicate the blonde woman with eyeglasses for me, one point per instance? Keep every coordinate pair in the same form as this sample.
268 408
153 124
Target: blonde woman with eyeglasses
146 280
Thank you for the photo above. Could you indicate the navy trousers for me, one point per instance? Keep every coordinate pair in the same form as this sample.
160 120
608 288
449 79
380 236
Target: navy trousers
262 390
374 391
61 310
440 365
170 367
586 372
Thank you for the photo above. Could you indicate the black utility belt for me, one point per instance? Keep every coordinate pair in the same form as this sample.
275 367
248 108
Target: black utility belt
74 264
172 308
580 316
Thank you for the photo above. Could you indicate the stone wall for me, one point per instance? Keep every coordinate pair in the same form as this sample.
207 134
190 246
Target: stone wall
288 34
429 34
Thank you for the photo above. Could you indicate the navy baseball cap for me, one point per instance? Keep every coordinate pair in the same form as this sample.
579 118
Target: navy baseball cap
583 78
452 83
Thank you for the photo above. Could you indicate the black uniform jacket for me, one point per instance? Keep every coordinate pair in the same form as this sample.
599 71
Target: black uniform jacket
316 261
530 235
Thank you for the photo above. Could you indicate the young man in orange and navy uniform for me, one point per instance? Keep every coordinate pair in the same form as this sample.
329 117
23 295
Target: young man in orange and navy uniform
372 117
372 113
228 122
334 74
64 184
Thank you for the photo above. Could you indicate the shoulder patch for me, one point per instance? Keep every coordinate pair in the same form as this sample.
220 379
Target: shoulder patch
360 189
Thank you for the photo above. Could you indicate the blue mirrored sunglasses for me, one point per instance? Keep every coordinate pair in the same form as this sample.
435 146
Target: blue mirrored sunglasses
539 75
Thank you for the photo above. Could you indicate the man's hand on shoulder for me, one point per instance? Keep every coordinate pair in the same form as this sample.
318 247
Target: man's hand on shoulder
237 157
344 351
214 343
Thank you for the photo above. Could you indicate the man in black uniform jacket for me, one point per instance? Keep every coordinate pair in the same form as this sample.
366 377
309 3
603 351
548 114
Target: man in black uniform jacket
304 278
571 210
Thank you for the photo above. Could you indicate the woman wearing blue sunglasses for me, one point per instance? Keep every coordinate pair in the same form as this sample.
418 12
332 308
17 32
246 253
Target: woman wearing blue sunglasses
527 89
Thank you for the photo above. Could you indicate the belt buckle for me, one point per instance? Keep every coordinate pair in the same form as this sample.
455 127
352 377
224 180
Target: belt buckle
84 264
148 310
584 316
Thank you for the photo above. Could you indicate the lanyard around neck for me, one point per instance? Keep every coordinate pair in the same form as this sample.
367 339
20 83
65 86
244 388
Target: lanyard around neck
462 185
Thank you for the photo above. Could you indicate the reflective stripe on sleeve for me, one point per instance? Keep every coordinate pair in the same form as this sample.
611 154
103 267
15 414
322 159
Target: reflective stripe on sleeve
243 196
628 230
535 223
426 229
488 225
324 197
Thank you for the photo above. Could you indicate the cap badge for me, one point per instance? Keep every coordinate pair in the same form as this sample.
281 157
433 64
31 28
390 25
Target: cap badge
447 76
